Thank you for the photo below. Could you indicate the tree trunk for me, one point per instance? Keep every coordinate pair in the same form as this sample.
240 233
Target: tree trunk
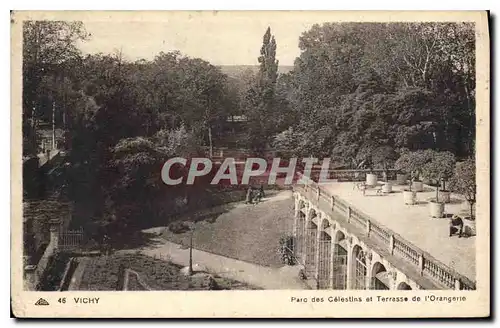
53 125
471 209
210 145
437 192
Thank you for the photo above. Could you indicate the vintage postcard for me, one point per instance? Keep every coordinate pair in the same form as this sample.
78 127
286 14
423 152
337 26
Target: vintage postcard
250 164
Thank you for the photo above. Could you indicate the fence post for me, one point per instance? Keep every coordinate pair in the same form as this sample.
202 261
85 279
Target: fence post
391 244
318 194
421 263
332 202
368 227
348 214
55 229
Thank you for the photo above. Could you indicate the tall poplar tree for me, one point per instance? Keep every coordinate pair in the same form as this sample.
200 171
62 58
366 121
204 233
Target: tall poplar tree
261 97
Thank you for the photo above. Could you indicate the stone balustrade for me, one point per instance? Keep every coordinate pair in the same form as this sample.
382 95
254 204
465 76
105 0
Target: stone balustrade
397 246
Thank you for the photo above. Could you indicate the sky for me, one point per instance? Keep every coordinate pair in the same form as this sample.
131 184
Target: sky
220 38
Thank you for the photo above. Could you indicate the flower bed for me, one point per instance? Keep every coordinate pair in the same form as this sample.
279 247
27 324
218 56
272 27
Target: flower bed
106 273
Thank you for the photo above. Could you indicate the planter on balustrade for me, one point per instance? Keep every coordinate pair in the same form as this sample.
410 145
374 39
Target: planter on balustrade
401 179
387 188
371 179
444 196
436 209
417 186
410 197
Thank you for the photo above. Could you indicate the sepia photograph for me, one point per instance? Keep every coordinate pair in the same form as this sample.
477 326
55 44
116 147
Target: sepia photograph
220 151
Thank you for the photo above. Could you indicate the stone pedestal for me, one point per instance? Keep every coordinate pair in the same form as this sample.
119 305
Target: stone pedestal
54 227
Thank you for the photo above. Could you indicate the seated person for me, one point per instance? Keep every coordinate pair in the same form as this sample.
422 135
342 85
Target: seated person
456 224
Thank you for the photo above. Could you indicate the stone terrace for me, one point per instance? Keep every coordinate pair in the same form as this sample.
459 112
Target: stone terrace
414 223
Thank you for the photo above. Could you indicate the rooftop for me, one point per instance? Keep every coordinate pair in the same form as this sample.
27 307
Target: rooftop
414 223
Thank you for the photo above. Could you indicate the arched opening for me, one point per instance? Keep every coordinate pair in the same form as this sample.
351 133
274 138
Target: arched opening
339 265
404 286
301 205
310 253
380 277
324 265
299 242
359 262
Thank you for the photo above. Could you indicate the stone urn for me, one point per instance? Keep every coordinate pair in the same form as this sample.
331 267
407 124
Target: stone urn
409 197
371 179
401 179
444 196
387 188
436 209
417 186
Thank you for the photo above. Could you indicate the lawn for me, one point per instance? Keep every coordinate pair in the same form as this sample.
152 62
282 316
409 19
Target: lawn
246 232
106 273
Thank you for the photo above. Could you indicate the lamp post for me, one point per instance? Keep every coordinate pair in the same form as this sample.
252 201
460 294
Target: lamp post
190 269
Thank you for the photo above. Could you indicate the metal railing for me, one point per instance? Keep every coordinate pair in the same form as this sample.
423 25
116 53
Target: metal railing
425 264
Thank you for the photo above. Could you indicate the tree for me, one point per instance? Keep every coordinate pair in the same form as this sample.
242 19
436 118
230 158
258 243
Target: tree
287 143
261 96
384 158
405 85
439 168
463 182
48 49
206 101
412 163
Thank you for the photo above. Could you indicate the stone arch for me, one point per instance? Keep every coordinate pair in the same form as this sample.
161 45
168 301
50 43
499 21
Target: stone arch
310 248
325 223
313 213
301 204
339 236
324 259
380 277
359 269
300 232
340 260
404 286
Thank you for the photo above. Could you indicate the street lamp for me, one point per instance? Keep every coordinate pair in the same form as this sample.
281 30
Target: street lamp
190 269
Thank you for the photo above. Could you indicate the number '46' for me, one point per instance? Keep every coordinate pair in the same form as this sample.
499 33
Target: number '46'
62 300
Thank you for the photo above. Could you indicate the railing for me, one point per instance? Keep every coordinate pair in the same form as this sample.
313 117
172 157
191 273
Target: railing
381 233
425 264
356 175
70 239
439 272
357 218
405 251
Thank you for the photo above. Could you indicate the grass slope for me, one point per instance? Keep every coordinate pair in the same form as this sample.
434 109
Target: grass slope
246 232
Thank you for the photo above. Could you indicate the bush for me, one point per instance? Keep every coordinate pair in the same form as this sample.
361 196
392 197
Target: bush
286 245
178 227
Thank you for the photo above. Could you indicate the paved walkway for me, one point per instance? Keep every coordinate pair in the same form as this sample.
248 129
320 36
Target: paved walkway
253 274
414 223
78 274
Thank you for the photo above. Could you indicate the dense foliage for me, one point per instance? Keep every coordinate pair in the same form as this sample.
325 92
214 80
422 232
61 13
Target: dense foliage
360 86
363 93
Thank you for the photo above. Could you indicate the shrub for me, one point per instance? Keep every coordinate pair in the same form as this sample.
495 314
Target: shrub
285 250
178 227
463 181
439 168
412 162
